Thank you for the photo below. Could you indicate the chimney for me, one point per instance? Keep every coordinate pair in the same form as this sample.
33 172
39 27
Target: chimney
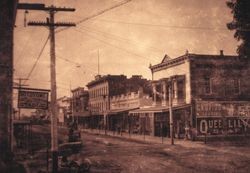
221 53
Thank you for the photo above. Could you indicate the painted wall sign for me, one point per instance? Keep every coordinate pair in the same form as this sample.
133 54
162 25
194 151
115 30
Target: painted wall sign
221 125
217 109
32 99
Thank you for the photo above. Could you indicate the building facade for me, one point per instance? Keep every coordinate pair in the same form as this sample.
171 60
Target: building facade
120 105
105 91
210 94
79 105
64 111
100 91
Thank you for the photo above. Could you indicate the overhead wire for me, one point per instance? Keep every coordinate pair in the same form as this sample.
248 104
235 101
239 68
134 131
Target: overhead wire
112 45
37 59
59 84
161 25
120 38
78 65
20 55
80 21
98 13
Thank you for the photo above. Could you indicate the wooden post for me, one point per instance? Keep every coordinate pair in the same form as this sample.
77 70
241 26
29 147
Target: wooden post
171 113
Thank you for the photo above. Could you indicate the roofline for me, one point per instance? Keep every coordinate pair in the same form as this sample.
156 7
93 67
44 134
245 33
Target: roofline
181 58
159 109
77 89
170 62
103 78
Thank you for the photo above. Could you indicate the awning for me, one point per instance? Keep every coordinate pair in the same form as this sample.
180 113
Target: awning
156 109
117 111
81 114
21 122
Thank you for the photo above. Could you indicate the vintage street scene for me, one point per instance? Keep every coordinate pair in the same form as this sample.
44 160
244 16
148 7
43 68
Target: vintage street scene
124 86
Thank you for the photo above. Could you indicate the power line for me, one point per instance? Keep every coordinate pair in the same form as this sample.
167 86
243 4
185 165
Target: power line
98 13
119 38
38 57
23 48
161 25
78 65
81 21
107 43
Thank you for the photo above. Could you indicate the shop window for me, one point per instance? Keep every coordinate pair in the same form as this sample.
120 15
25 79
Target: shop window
158 91
181 89
208 85
236 86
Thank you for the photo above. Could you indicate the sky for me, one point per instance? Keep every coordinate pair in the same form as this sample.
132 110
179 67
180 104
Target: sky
126 39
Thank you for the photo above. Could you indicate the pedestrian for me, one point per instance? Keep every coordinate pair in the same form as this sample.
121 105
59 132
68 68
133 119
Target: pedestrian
187 130
118 129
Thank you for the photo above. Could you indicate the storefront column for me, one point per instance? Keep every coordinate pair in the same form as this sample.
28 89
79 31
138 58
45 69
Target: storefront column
175 92
105 122
154 93
164 101
152 124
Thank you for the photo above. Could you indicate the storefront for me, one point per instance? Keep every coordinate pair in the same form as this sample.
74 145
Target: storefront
156 120
118 120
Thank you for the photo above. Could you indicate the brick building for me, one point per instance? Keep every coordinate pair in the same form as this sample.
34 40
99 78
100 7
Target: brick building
100 91
79 105
105 88
211 93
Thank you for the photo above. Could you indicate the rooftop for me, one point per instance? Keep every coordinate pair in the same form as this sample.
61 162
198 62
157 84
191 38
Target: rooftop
101 79
168 61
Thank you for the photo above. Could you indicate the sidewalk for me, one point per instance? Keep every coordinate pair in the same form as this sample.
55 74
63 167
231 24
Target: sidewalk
144 138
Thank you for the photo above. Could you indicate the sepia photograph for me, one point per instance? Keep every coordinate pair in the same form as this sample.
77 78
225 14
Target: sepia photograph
124 86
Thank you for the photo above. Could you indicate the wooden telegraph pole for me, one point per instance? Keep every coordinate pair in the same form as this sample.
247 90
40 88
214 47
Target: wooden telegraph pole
50 23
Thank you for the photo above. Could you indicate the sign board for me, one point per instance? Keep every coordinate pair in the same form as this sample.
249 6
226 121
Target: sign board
217 109
221 126
32 99
222 118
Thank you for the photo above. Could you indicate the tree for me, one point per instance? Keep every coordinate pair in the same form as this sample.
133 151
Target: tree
241 24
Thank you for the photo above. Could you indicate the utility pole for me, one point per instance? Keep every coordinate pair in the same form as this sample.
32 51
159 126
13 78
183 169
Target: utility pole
98 63
50 23
20 85
170 91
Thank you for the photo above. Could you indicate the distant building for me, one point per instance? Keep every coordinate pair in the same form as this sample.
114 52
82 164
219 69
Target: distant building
103 90
79 104
211 95
120 105
64 111
100 91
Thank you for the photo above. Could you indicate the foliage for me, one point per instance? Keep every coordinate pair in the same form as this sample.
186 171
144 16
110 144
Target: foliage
241 24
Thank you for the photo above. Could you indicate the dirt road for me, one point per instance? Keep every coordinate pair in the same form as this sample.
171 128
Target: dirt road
114 155
118 155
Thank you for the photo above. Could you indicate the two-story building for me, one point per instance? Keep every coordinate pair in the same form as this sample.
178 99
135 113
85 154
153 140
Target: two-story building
112 96
210 93
120 105
64 109
79 105
100 91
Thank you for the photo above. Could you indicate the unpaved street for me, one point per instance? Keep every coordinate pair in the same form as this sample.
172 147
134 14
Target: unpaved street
111 154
